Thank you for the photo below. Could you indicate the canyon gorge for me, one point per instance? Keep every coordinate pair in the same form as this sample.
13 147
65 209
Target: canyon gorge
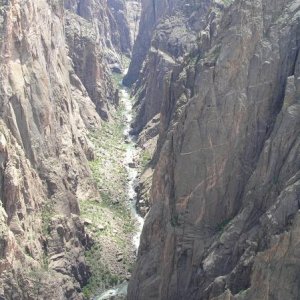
150 149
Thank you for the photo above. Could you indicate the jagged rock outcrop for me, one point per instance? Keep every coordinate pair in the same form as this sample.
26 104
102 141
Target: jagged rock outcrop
225 194
133 10
111 24
44 150
97 34
152 12
172 30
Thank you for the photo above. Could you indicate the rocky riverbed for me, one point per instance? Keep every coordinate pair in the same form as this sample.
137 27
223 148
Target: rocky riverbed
131 164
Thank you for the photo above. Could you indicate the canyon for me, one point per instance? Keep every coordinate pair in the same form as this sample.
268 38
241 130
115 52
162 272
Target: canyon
198 142
57 96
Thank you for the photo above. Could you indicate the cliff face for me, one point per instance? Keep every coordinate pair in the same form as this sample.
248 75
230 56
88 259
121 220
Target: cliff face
152 13
225 194
97 35
46 113
133 14
168 32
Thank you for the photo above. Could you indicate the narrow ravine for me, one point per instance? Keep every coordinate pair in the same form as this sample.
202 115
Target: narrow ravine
131 165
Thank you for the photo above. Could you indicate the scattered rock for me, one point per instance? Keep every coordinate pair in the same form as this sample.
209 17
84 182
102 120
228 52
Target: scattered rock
132 165
15 226
101 227
128 276
87 222
3 143
60 230
119 258
116 201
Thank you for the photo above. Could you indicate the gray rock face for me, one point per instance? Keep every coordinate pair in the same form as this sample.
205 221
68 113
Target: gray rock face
172 34
97 33
109 19
118 10
44 149
152 12
87 57
133 14
225 194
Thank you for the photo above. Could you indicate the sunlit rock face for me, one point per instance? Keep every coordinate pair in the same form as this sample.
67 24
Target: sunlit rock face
44 149
224 220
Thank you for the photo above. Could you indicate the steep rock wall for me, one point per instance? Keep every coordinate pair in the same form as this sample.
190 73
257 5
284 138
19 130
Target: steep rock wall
110 21
133 9
98 34
45 117
225 191
168 32
152 12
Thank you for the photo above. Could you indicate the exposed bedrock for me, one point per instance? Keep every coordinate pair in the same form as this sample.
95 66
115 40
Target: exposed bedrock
226 186
168 32
45 117
98 34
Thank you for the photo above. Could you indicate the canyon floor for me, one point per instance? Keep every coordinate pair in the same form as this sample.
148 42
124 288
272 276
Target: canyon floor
112 220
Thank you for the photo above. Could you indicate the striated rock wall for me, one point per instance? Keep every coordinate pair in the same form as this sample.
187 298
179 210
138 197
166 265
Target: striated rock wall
45 117
120 31
152 13
111 23
225 192
133 14
172 33
97 34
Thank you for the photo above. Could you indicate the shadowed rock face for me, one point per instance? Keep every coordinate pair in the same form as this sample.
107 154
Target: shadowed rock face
122 39
97 32
225 194
152 13
45 116
164 40
110 18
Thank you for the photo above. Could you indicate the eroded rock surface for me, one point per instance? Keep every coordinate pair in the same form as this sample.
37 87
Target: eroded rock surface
46 112
225 192
98 34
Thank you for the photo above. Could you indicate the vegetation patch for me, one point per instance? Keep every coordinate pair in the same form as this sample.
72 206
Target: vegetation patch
227 2
145 158
222 225
102 277
47 213
108 218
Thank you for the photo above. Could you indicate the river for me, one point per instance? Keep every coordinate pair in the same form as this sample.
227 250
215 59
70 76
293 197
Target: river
120 291
131 165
